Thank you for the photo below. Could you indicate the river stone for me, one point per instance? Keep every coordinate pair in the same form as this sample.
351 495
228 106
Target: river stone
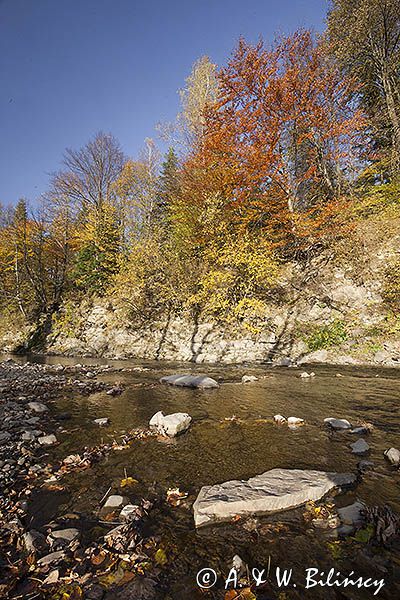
52 557
47 440
193 381
102 421
295 421
37 407
279 419
249 378
393 456
115 501
359 447
273 491
337 423
4 436
69 534
170 425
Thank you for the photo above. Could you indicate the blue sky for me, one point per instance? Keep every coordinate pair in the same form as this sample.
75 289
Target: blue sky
69 68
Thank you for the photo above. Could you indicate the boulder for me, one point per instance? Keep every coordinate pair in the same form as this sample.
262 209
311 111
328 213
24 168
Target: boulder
393 456
170 425
273 491
340 424
359 447
193 381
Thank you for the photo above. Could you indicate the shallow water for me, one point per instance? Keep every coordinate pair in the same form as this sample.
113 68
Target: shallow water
216 449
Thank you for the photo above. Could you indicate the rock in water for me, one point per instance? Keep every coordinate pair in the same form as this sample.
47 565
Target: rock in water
393 456
359 447
279 419
170 425
193 381
337 423
103 421
249 378
295 422
273 491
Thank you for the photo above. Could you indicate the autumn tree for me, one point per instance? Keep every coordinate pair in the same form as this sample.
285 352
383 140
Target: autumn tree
365 35
283 123
200 91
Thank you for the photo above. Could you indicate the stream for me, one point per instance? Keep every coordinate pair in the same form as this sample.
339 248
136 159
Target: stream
232 436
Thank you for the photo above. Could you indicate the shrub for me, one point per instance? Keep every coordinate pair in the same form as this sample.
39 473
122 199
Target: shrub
327 336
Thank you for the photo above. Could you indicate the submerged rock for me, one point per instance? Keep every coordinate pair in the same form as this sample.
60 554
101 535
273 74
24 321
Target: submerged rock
170 425
337 423
393 456
359 447
295 422
249 378
306 375
273 491
102 422
193 381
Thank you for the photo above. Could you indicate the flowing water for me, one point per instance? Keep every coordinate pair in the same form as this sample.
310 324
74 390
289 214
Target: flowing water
218 448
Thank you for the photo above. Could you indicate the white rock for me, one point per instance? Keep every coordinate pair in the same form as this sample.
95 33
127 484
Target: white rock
393 456
359 447
249 378
273 491
170 425
193 381
306 375
47 440
115 501
295 421
337 423
37 407
102 422
279 419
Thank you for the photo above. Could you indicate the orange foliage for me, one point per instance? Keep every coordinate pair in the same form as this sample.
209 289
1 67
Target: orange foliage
278 142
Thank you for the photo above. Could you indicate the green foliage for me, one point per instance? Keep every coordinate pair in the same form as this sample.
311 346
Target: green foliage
327 336
98 258
375 197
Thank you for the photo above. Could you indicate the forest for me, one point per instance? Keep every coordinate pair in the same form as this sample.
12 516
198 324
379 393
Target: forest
274 157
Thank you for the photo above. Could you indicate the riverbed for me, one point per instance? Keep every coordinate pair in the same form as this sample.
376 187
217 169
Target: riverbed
233 436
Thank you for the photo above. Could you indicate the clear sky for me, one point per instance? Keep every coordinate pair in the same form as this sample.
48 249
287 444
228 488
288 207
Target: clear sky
69 68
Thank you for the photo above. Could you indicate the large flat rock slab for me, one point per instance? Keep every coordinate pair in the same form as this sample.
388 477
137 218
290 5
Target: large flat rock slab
192 381
273 491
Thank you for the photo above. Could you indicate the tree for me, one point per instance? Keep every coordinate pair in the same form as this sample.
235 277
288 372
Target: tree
277 139
200 91
168 188
365 36
98 257
90 172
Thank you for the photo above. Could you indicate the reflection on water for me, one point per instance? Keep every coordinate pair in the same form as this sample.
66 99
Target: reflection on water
216 449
